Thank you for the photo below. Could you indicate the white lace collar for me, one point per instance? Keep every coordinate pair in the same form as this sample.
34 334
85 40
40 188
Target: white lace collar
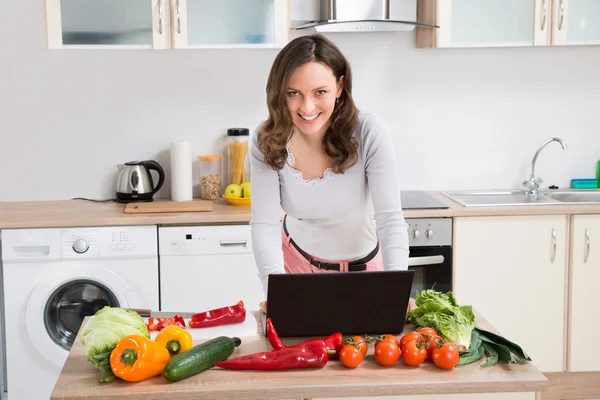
297 174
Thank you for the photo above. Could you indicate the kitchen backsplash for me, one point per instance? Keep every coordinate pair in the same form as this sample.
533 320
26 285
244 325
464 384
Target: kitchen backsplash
460 119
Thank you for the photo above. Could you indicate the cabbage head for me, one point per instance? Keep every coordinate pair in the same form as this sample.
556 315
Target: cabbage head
104 330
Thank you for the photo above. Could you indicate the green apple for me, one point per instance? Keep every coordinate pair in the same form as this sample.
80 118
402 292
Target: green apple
233 190
246 189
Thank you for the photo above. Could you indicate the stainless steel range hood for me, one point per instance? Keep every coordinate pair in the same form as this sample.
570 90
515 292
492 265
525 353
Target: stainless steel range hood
366 16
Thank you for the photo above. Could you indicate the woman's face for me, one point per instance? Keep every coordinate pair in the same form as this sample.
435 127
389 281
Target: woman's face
310 97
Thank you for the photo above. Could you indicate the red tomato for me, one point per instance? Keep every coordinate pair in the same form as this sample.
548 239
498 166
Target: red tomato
409 337
446 357
413 354
350 356
433 344
387 338
362 344
387 353
427 331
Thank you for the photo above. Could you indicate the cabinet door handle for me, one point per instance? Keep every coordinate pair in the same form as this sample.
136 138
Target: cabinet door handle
234 243
178 10
586 253
562 14
544 14
160 17
553 246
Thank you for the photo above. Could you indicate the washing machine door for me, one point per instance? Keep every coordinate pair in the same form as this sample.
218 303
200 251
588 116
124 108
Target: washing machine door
63 298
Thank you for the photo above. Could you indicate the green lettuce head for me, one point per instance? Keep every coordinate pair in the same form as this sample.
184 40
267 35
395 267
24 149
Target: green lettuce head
104 330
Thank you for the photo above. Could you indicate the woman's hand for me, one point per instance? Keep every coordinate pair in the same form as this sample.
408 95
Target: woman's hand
263 306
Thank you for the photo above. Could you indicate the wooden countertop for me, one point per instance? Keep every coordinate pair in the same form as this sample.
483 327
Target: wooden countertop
79 213
79 379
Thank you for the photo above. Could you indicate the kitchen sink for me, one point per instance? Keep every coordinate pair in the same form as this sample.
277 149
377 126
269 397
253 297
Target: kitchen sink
579 197
486 198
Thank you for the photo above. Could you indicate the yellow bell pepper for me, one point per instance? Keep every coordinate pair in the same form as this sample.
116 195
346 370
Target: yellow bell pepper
175 339
136 358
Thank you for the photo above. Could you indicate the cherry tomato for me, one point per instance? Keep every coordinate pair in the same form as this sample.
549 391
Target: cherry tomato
446 357
387 338
362 344
427 331
387 353
409 337
433 344
413 354
350 356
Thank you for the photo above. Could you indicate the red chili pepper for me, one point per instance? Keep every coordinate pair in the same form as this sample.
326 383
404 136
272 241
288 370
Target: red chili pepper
308 354
274 339
332 342
220 316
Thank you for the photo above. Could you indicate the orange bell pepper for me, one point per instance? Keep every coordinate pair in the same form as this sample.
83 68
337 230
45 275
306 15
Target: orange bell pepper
136 358
175 339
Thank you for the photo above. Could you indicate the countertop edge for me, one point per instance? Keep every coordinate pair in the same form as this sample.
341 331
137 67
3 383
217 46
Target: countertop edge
73 213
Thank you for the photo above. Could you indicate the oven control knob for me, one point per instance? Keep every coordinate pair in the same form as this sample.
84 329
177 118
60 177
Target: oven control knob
416 234
80 246
429 233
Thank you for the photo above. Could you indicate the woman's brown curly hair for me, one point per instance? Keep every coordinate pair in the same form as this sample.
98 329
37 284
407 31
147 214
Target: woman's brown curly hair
338 142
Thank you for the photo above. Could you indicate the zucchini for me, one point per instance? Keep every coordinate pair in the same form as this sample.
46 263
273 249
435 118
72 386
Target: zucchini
200 358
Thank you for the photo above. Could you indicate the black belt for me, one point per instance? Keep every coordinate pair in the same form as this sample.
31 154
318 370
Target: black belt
356 265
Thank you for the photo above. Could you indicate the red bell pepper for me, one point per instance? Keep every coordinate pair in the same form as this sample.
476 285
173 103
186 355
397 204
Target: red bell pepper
220 316
332 342
158 324
308 354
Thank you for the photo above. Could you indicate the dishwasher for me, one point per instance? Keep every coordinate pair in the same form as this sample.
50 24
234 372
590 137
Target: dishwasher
207 267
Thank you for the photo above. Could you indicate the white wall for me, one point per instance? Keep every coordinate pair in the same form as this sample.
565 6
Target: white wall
464 118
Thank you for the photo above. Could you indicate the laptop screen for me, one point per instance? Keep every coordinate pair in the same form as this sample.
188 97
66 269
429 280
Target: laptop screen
354 303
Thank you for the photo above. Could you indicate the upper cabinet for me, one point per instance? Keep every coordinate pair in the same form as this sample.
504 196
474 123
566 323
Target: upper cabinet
508 23
163 24
576 22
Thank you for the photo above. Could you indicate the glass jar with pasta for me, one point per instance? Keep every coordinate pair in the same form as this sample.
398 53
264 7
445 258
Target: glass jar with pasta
237 152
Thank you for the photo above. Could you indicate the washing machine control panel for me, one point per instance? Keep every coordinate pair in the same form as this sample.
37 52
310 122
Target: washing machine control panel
76 242
111 242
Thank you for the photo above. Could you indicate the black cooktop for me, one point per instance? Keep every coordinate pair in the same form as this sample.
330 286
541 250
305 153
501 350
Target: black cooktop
416 199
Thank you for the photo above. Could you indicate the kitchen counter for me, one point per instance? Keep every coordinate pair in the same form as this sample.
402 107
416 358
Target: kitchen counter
78 213
79 379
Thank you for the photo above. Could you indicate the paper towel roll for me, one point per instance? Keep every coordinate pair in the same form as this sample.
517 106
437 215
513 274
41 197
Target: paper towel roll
181 171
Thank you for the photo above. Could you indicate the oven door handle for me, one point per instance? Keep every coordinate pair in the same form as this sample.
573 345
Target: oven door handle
429 260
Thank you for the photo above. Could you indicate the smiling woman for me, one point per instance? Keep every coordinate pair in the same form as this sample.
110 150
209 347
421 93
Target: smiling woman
331 169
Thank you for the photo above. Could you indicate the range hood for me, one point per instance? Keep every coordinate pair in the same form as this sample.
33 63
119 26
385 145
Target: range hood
366 16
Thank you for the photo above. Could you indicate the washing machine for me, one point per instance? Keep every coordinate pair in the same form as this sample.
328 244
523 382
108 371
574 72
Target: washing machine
53 279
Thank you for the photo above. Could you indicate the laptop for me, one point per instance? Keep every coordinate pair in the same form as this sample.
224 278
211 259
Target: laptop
353 303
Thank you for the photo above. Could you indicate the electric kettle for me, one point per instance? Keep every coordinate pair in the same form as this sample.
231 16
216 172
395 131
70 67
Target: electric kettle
134 181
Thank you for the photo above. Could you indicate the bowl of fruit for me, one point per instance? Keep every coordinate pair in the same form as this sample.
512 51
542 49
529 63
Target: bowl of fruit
238 195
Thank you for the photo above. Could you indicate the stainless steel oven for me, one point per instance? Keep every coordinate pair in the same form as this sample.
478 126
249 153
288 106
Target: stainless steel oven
430 241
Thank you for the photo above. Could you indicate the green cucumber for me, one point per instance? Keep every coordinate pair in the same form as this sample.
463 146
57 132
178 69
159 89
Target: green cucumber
200 357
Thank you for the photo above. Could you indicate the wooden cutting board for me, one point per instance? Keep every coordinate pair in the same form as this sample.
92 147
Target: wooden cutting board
169 206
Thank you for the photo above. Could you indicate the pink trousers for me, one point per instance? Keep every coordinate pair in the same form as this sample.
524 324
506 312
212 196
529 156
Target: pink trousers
295 262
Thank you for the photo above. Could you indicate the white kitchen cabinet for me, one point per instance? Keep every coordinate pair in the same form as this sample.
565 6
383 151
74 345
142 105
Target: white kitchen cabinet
508 23
207 267
576 22
230 23
107 24
164 24
513 269
585 277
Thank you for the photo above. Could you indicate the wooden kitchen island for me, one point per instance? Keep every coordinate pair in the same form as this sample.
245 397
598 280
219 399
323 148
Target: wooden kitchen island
79 379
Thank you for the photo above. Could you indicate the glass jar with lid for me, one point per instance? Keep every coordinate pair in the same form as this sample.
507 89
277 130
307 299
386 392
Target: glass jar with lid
237 152
210 176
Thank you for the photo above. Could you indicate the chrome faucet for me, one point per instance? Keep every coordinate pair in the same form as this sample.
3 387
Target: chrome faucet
533 184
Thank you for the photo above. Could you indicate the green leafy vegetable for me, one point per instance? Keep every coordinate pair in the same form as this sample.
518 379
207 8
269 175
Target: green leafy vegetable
104 330
442 312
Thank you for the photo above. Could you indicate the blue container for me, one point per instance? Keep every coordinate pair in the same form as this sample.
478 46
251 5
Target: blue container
584 183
